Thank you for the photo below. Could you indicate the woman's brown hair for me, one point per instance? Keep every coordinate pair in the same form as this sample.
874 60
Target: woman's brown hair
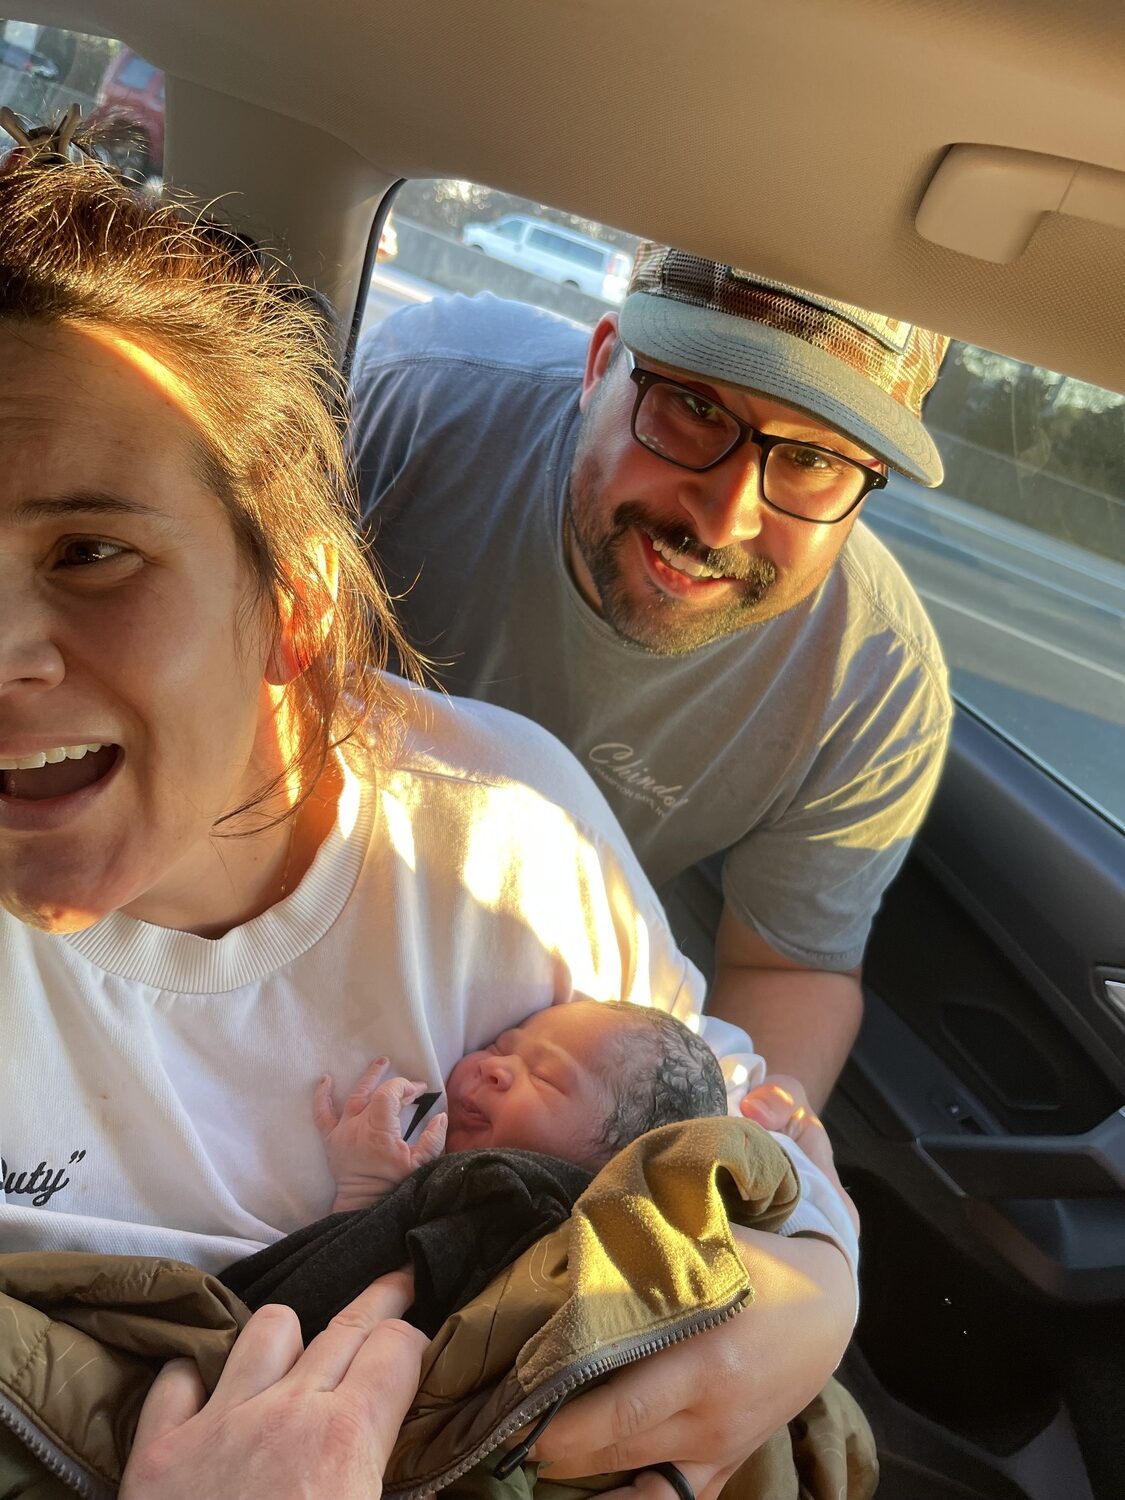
80 246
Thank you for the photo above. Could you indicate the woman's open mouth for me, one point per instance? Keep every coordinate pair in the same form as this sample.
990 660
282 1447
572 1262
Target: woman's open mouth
56 773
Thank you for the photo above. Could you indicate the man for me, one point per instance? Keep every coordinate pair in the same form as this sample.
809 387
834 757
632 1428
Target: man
650 545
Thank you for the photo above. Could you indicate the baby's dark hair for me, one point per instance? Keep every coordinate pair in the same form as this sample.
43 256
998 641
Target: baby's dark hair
661 1072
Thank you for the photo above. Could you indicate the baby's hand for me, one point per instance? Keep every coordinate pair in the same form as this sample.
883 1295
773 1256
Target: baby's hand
366 1151
780 1103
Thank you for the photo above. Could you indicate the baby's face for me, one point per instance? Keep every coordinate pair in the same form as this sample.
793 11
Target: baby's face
540 1086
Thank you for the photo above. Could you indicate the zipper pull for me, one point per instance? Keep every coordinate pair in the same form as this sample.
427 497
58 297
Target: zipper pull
515 1456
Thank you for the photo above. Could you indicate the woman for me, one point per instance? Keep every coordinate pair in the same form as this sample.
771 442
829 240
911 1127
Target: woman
232 855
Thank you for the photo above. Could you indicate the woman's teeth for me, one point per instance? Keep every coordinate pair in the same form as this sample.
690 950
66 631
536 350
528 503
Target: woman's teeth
682 562
48 757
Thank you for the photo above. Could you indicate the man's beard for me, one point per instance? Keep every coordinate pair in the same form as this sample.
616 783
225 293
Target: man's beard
647 616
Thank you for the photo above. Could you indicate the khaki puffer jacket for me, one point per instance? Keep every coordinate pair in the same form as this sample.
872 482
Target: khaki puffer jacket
646 1259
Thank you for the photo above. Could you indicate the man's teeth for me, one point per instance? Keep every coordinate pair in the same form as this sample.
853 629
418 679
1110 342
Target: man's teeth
682 562
48 757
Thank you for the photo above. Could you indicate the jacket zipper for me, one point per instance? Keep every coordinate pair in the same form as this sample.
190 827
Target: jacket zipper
76 1476
555 1392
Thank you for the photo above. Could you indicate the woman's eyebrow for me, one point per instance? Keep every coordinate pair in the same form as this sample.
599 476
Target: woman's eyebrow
82 502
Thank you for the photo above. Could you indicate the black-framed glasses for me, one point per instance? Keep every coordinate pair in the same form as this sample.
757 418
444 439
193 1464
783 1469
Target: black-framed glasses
799 479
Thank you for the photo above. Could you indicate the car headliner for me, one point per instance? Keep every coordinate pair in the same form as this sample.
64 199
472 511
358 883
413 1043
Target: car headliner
796 139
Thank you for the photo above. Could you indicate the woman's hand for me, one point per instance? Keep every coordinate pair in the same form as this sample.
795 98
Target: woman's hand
285 1424
366 1152
708 1403
780 1103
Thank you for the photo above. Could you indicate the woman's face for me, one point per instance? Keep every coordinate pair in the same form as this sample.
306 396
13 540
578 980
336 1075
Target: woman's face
128 620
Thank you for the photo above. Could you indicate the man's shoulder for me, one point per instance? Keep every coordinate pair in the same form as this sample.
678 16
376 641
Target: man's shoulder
879 589
482 331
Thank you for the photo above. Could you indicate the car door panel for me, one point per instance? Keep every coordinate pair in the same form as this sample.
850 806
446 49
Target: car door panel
980 1125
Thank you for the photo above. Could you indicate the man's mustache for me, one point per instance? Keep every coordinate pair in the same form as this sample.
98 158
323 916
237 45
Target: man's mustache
731 562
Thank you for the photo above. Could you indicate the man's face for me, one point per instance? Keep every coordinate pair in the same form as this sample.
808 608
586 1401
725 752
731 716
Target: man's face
675 559
540 1086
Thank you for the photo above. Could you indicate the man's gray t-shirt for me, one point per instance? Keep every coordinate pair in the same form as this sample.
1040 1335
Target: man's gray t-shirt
807 746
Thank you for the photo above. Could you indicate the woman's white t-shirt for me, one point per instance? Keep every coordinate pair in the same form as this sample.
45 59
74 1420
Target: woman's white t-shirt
156 1087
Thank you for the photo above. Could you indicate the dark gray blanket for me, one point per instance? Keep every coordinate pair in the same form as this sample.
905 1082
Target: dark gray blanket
458 1221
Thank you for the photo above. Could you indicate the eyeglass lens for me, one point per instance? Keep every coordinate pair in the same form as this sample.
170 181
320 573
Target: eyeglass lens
683 426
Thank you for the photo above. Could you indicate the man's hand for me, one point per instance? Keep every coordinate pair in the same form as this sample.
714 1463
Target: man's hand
706 1404
366 1151
802 1021
285 1424
780 1103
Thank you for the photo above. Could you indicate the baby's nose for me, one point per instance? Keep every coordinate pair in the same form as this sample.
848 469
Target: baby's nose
497 1071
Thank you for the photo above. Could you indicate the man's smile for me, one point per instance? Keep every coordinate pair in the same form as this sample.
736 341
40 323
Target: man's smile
681 567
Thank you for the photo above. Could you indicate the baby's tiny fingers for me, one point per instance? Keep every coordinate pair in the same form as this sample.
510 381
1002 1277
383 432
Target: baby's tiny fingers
324 1111
431 1143
365 1085
402 1091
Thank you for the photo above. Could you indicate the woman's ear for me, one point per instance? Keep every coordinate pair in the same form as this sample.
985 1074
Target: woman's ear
305 616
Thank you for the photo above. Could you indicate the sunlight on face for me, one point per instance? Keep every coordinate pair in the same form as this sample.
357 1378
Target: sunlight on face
541 1086
163 379
128 620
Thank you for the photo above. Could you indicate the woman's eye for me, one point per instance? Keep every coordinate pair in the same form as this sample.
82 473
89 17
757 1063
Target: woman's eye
85 552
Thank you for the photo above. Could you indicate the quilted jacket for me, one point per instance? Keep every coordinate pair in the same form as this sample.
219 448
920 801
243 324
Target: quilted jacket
646 1259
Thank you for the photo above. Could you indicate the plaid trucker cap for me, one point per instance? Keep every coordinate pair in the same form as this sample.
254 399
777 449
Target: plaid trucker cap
862 374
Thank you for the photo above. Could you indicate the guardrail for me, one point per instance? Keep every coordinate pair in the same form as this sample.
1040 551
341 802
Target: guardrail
1023 492
459 268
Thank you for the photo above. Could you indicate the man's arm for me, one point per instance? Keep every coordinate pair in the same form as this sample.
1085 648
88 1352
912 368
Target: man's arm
802 1021
707 1403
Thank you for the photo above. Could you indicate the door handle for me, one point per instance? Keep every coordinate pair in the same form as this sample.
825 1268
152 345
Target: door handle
1035 1166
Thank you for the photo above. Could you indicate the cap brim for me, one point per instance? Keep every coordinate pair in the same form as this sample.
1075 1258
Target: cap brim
784 368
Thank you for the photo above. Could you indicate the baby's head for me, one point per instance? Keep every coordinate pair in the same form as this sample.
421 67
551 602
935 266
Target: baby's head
582 1080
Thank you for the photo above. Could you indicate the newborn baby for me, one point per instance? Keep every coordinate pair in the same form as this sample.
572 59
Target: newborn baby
577 1081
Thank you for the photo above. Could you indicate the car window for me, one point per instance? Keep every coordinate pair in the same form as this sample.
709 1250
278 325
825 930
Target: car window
136 73
544 241
587 255
1019 557
573 250
432 218
1020 560
81 70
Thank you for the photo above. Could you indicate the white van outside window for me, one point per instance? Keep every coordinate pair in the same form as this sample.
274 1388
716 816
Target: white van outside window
560 255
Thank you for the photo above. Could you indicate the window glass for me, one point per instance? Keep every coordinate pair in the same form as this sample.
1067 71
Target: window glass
589 255
135 73
110 84
1019 558
436 222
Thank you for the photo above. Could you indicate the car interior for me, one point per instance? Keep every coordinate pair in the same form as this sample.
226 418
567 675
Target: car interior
955 163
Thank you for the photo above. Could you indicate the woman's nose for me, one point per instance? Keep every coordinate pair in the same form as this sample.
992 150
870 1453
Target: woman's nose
29 659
